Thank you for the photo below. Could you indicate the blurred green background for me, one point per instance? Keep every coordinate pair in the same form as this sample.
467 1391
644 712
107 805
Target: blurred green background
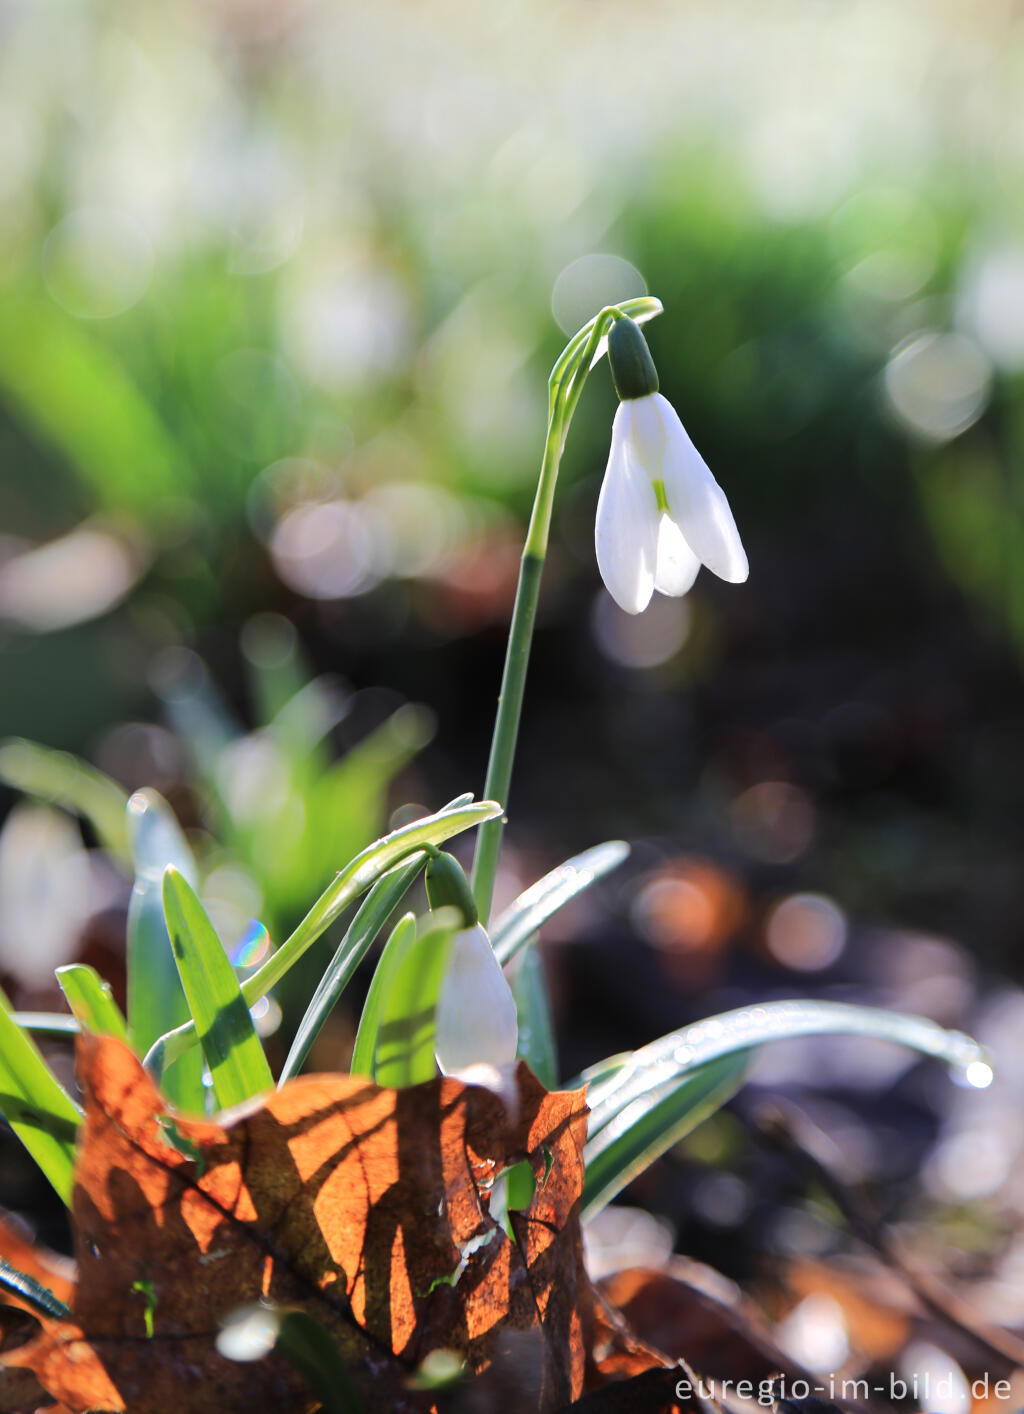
281 285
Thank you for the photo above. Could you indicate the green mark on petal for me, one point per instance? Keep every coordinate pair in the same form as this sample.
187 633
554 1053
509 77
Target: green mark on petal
660 495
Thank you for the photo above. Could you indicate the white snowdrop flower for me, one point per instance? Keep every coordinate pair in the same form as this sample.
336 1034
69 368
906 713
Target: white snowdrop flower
661 514
476 1012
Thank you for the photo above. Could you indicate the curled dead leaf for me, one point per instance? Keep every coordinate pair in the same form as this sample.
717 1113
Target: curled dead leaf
367 1207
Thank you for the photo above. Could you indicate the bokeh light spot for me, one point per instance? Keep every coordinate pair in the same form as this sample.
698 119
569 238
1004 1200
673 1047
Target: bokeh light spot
97 263
992 306
774 821
588 284
938 384
326 551
641 640
815 1334
806 932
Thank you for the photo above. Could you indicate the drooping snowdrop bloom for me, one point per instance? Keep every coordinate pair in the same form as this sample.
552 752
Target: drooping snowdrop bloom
661 514
476 1023
476 1012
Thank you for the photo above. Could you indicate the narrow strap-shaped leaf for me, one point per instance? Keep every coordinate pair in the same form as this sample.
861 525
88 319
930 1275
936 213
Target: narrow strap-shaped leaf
238 1067
642 1104
156 1001
32 1292
357 876
91 1000
376 908
517 925
354 879
46 1023
56 775
674 1055
35 1105
536 1030
406 1030
302 1340
649 1129
365 1049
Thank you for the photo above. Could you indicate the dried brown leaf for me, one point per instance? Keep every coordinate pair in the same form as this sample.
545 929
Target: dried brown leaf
366 1207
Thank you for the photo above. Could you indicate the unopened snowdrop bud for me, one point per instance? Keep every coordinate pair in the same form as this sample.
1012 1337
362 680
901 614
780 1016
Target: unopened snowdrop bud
448 887
661 514
476 1012
633 370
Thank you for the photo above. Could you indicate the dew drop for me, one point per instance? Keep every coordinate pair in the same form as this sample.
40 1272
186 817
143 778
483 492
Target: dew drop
979 1075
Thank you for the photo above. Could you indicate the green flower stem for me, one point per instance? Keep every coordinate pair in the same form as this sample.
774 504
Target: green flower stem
506 725
564 388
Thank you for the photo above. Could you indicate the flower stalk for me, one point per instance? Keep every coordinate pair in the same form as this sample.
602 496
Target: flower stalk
565 386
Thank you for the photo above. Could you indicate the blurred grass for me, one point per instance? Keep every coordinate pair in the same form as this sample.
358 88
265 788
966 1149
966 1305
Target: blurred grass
365 290
280 312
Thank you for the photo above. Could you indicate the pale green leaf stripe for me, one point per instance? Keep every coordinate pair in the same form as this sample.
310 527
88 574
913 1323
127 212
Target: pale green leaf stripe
373 913
91 1001
364 1052
679 1052
641 1104
356 877
47 1023
35 1105
536 1029
69 782
238 1067
648 1128
405 1018
514 928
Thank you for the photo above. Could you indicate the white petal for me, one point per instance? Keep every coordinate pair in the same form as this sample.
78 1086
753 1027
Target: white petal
677 564
626 530
476 1012
698 504
649 430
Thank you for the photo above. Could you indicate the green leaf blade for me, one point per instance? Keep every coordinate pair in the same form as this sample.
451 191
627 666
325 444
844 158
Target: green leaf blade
536 1029
71 783
354 879
642 1103
156 1001
360 874
232 1048
91 1001
405 1040
514 928
395 1044
35 1104
621 1151
364 1052
373 913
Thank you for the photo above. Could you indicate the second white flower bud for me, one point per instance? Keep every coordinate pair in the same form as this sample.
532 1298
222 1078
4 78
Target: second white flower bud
476 1011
